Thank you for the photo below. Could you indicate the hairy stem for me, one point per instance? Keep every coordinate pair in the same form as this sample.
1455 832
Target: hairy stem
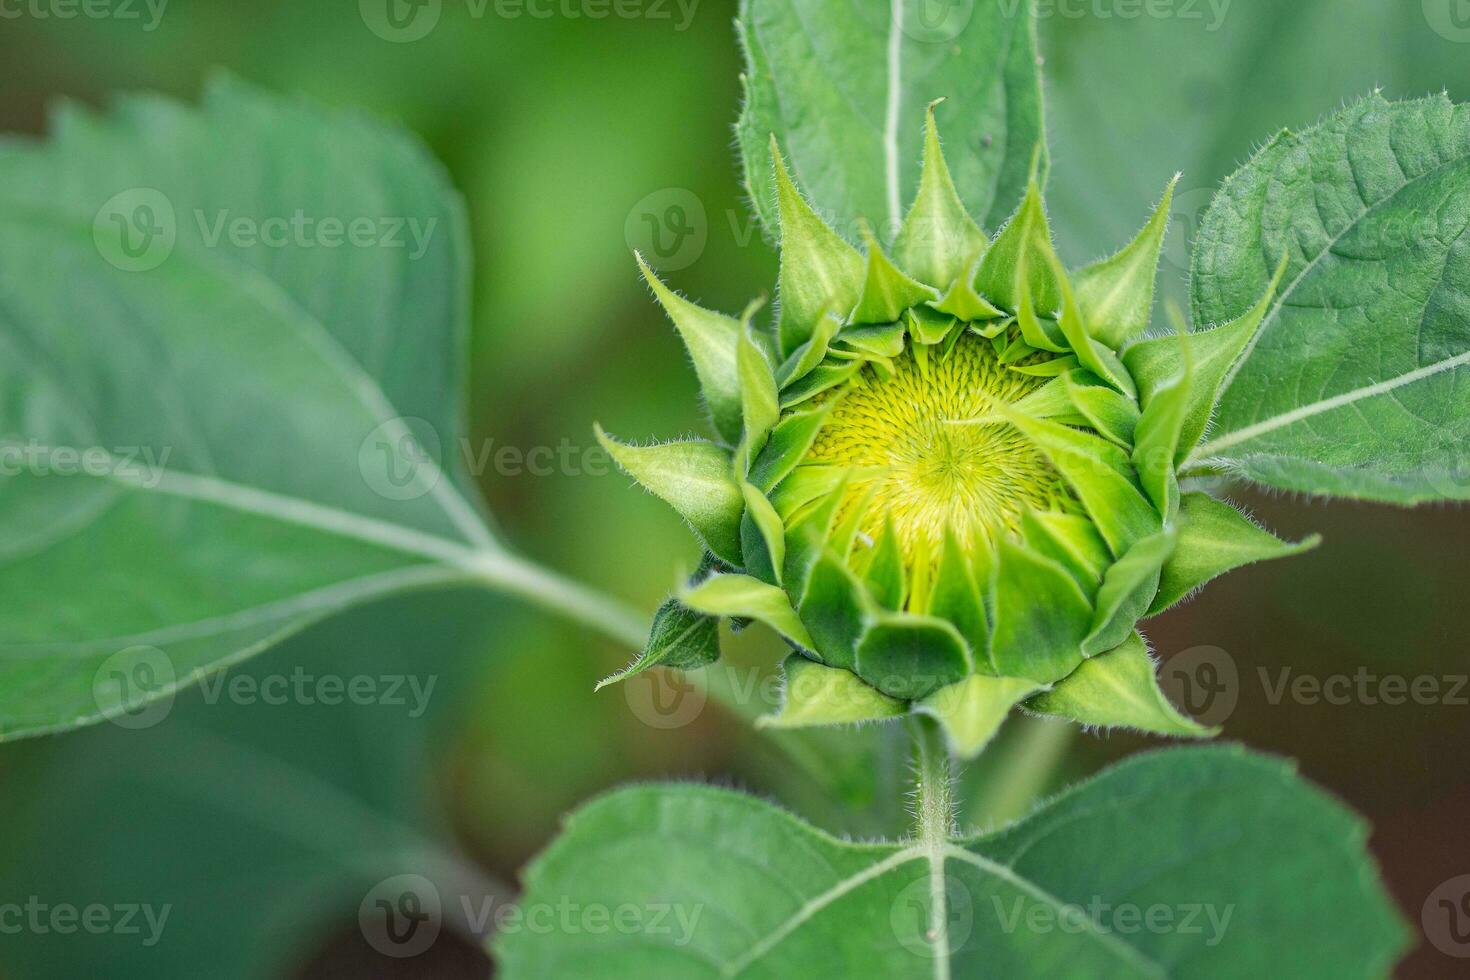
934 825
934 784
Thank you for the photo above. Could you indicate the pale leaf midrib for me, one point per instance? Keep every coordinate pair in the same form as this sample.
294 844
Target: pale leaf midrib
1303 412
271 296
1232 438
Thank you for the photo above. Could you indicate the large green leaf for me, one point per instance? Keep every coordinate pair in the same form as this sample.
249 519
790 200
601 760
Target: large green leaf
843 85
230 342
1188 863
1356 382
303 795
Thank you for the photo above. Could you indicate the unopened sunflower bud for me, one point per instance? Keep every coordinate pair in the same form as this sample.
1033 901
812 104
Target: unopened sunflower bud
948 476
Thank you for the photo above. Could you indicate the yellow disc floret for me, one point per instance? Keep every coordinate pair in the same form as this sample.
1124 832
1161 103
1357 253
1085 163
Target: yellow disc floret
928 451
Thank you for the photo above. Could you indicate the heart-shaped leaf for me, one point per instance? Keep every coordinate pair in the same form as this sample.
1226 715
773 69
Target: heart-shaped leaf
1187 863
230 350
1355 383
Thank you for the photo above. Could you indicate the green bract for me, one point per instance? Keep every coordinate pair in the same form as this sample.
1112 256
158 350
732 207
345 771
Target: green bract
948 477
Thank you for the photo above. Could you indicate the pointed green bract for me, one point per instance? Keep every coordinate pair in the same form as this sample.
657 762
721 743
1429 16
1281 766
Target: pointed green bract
1022 245
1073 541
911 656
1127 589
1159 433
1113 414
788 443
822 378
1118 689
809 355
711 339
962 301
760 401
815 694
836 610
820 273
956 599
1093 469
1041 616
971 711
1039 334
887 292
939 240
885 577
695 479
680 638
1117 294
1157 362
1215 538
742 596
882 340
762 536
1090 353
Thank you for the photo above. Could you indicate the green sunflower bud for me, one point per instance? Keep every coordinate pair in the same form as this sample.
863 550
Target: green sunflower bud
948 475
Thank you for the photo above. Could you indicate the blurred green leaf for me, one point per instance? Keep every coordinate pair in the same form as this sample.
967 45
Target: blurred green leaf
231 342
255 815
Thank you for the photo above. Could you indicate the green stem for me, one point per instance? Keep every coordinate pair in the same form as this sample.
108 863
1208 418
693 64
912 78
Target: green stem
934 812
563 596
934 785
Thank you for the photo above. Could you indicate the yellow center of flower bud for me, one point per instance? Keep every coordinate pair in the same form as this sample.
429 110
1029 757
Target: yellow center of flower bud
929 451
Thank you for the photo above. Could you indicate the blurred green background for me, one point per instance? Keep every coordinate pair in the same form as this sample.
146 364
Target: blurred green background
264 827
